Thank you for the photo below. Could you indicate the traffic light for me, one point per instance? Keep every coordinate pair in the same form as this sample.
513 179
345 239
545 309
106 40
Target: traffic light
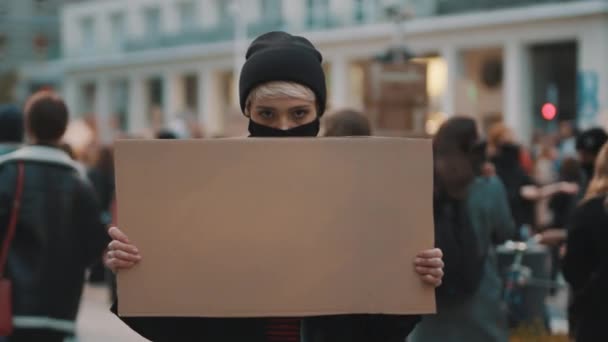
549 111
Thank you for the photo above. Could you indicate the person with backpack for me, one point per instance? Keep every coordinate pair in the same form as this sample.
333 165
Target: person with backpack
585 264
471 216
282 93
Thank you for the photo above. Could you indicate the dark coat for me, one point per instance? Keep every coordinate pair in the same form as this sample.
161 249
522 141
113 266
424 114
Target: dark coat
514 178
585 267
58 234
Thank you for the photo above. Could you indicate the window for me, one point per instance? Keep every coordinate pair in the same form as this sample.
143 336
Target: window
317 14
87 28
223 9
42 6
118 27
365 11
226 13
3 45
152 22
359 11
271 9
187 15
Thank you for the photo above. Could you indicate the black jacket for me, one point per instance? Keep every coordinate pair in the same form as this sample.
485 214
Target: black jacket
514 178
344 328
59 232
585 266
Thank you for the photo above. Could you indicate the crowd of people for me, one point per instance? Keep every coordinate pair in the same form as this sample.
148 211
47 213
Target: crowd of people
57 207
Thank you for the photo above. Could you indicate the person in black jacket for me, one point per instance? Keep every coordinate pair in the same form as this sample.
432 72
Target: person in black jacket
585 264
101 176
11 128
58 232
588 145
282 92
514 177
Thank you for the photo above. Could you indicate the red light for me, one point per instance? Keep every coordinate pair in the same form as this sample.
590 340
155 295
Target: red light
549 111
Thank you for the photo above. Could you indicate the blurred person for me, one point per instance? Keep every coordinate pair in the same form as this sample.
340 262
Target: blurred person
585 263
11 128
283 94
514 177
479 203
588 145
347 123
101 175
57 231
544 170
166 134
567 140
499 135
562 203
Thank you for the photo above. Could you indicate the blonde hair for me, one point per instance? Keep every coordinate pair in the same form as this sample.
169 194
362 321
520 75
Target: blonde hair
599 184
277 90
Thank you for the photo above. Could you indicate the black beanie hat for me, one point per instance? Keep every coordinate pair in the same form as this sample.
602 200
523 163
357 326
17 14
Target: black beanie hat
279 56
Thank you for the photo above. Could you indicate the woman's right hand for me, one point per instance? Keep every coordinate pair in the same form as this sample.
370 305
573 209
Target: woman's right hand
121 254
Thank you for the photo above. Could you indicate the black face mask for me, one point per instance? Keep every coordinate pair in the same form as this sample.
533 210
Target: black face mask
308 130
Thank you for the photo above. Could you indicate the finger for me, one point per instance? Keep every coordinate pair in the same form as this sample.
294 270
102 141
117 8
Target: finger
116 265
433 263
117 234
431 280
121 255
435 272
116 245
431 253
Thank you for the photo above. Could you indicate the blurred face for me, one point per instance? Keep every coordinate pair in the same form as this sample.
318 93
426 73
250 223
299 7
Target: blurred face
506 138
282 113
565 130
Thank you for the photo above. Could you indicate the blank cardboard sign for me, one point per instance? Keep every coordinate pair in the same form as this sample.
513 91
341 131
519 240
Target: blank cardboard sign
275 227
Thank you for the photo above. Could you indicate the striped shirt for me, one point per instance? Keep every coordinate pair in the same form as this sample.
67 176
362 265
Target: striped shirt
283 330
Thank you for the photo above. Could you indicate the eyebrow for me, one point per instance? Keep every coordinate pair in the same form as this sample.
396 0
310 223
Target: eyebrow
301 107
290 108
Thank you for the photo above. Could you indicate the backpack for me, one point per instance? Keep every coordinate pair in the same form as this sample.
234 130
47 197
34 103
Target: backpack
462 254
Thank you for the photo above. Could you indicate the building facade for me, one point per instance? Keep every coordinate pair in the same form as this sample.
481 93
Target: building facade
29 32
151 63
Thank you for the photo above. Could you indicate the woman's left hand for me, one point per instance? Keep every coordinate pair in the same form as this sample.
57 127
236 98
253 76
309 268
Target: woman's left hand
429 266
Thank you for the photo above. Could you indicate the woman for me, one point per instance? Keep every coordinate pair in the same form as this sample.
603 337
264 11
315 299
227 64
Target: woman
478 317
586 260
282 92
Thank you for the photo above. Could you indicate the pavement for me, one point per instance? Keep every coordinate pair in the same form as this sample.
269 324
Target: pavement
97 324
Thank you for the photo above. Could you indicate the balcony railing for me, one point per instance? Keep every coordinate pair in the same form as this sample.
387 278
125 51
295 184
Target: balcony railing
373 12
453 6
222 32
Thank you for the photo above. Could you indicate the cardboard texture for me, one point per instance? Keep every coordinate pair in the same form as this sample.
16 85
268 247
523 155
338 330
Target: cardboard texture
275 227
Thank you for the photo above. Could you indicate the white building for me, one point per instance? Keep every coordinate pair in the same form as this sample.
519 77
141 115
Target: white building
147 61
